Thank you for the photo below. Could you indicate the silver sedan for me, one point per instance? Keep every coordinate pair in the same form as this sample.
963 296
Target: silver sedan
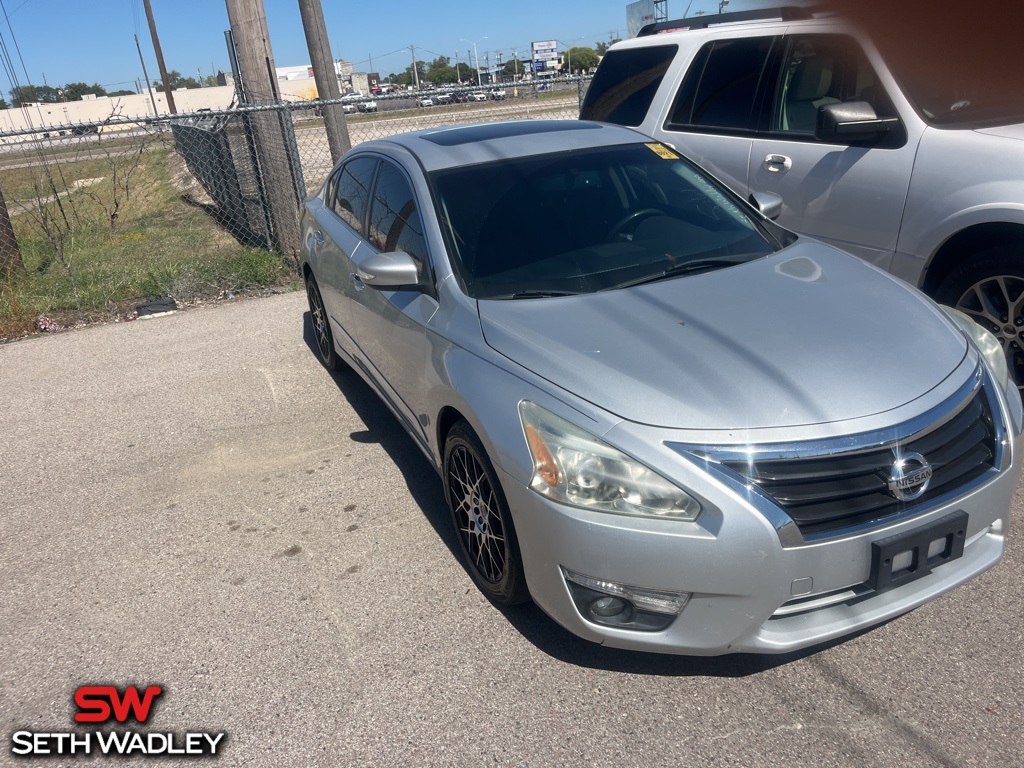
673 424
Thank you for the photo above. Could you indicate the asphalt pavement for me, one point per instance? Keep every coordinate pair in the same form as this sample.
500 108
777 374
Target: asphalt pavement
193 501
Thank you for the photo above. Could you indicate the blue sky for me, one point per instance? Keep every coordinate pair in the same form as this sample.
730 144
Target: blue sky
92 40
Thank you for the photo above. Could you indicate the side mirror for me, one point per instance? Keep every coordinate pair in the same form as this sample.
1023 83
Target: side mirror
393 269
768 203
851 121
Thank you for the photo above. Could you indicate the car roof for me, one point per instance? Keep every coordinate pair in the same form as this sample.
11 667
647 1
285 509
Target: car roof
451 146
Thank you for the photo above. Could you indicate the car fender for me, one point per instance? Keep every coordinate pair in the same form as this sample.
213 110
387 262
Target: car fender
487 394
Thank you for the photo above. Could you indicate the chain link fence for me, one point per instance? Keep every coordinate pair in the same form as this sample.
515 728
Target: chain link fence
95 217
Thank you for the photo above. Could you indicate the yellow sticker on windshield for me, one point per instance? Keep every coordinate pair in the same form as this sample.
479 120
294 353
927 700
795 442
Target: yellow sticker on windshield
662 151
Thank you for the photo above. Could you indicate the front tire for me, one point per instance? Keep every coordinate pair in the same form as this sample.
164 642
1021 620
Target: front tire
481 517
989 287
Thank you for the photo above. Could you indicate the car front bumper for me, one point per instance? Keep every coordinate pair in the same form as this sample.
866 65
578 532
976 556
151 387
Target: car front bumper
747 593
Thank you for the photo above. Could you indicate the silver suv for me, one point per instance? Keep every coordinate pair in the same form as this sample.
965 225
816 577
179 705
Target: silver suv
918 174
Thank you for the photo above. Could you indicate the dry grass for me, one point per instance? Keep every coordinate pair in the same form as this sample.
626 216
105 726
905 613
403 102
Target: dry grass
154 243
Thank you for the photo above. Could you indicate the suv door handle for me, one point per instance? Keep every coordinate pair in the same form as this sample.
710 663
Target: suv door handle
777 163
359 284
318 236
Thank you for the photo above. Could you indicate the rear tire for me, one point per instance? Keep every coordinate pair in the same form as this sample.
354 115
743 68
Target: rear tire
481 517
989 287
321 326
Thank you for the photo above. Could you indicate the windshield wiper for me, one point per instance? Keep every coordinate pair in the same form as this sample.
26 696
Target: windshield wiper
686 268
537 294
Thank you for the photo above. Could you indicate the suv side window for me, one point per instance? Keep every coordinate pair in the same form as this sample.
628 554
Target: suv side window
823 69
626 83
353 191
395 223
721 86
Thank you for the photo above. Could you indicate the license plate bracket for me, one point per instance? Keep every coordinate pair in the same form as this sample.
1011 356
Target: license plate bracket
903 558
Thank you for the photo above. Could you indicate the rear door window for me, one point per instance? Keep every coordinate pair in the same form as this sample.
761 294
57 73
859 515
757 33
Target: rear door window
721 87
353 191
625 84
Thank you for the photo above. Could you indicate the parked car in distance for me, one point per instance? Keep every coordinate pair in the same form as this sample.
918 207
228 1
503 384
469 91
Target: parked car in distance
477 96
367 106
805 105
460 97
349 109
497 94
613 362
425 101
443 98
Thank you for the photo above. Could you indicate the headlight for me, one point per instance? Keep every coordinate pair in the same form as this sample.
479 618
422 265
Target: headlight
572 466
986 343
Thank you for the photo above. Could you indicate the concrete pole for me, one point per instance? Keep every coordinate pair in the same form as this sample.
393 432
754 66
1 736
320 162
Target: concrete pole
326 78
259 86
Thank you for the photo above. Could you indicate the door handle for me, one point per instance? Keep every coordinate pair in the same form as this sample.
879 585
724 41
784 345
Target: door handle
777 163
318 237
359 284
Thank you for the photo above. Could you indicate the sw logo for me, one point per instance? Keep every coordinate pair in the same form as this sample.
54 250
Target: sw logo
98 702
103 703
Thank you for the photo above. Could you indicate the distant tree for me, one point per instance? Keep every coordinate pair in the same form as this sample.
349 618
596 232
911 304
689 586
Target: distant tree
602 47
121 93
175 80
445 74
75 91
3 103
439 63
406 77
513 68
28 94
579 58
210 81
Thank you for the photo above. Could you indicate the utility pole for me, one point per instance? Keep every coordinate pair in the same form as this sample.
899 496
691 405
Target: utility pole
415 69
145 74
326 79
160 58
259 86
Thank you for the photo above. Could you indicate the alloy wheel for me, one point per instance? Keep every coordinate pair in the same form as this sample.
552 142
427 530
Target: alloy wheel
478 516
997 304
320 329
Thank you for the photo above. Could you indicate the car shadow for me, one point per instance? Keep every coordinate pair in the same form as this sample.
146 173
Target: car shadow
425 486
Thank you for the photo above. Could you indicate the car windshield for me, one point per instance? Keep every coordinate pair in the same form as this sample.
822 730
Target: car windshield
590 220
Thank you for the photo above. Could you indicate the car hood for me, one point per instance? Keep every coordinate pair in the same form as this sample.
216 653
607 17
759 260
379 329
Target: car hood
807 336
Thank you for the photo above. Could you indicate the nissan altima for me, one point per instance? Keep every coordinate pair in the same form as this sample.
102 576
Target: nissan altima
671 423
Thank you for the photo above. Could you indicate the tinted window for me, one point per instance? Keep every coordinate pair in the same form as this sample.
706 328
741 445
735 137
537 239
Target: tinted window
819 70
625 84
589 220
394 218
353 190
721 85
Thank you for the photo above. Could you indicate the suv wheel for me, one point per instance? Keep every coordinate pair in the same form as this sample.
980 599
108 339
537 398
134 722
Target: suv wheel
990 288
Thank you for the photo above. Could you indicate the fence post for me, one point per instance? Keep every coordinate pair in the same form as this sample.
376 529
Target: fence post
288 130
10 254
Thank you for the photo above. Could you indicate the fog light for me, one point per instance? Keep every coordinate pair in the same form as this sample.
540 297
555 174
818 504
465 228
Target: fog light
623 606
608 606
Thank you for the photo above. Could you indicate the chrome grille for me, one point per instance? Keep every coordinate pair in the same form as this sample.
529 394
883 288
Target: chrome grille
827 493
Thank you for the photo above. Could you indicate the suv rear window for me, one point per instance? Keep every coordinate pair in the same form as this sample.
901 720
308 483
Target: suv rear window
625 84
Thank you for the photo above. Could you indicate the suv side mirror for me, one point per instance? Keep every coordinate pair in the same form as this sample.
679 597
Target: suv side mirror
851 121
391 269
